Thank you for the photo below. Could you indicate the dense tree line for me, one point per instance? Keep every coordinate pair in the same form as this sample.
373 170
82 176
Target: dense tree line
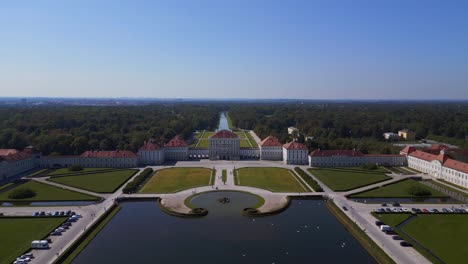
70 130
355 125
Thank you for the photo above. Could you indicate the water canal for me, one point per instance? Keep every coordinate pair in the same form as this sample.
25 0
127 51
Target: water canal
223 122
304 233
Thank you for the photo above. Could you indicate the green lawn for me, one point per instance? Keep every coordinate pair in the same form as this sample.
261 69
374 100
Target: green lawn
445 235
391 219
273 179
244 143
45 192
64 171
37 172
241 134
224 175
18 232
203 143
177 179
452 184
344 179
252 140
398 190
105 182
6 185
207 134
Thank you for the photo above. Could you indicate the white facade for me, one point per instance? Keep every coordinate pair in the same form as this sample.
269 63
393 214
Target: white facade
351 161
250 153
151 157
391 136
291 130
176 153
88 162
437 169
224 148
271 152
295 156
12 168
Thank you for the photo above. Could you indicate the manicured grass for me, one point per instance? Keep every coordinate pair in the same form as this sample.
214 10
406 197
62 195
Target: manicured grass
19 232
374 250
203 143
244 143
207 134
344 179
45 192
33 174
449 188
224 175
251 140
86 238
273 179
452 184
229 121
241 134
177 179
6 185
64 171
398 190
392 219
445 235
105 182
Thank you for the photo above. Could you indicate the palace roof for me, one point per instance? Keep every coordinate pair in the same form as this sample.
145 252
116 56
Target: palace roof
225 134
442 158
293 145
270 141
175 142
108 154
408 149
150 145
4 152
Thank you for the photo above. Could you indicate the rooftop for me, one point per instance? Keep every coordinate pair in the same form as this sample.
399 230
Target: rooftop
294 145
177 141
108 154
225 134
270 141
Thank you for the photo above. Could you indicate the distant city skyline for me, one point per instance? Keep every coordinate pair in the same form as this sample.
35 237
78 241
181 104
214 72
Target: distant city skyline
380 50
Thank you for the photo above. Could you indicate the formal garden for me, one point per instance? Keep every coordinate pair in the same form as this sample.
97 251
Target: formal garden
348 178
177 179
271 178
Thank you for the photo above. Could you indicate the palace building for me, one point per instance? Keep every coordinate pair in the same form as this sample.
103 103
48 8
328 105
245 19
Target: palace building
271 149
349 158
224 145
295 153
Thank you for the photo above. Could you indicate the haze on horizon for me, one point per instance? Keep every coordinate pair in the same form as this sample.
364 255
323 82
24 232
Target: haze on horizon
235 49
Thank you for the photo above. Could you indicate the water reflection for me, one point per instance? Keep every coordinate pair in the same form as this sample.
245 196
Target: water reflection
306 232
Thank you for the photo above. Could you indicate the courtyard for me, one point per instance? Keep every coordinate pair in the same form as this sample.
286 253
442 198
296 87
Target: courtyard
272 179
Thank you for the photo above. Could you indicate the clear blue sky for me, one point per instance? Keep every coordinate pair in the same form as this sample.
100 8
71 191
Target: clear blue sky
235 49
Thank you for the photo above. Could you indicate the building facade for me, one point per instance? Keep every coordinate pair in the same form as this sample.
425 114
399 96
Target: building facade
151 153
14 162
295 153
224 145
271 149
350 158
93 159
440 165
407 134
176 149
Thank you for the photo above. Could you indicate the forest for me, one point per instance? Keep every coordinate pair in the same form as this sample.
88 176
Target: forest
71 130
356 125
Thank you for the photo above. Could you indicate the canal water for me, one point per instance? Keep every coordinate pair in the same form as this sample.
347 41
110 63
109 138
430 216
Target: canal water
304 233
223 122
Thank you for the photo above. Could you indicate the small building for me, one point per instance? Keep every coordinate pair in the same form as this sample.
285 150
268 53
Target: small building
151 153
271 149
407 134
224 145
176 149
295 153
291 130
391 136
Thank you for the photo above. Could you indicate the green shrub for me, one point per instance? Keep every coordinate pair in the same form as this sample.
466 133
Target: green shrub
419 191
309 180
75 168
133 186
369 166
22 193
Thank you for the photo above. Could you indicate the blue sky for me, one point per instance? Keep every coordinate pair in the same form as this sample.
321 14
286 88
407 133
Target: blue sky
235 49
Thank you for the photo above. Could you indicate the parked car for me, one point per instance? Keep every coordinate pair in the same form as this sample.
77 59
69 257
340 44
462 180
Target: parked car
435 210
388 210
35 214
405 244
414 210
55 233
425 210
396 204
397 238
344 208
384 204
379 223
42 213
